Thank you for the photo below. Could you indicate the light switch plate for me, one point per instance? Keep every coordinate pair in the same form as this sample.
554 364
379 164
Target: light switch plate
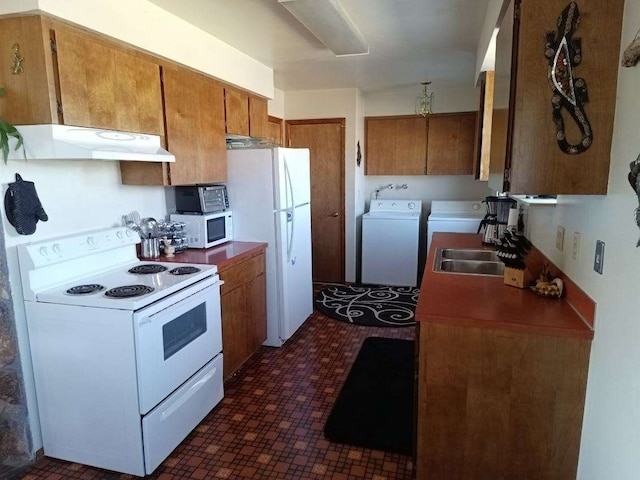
560 238
598 261
575 254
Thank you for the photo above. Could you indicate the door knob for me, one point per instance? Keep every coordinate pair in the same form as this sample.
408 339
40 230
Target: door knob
336 214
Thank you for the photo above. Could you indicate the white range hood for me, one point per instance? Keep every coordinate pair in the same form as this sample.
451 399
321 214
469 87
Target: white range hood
62 142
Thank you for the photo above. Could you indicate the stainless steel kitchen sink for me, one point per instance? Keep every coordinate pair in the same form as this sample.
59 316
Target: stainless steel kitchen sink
467 261
467 254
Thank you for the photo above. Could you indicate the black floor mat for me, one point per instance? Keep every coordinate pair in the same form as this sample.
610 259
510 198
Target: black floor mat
375 406
372 305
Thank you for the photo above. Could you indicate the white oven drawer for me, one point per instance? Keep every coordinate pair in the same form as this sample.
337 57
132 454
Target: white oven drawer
170 422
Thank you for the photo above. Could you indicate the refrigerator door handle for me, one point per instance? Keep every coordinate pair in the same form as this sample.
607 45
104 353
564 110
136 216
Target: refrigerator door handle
291 212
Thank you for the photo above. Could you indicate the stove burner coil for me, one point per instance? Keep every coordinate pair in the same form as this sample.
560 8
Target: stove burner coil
128 291
147 269
184 271
85 289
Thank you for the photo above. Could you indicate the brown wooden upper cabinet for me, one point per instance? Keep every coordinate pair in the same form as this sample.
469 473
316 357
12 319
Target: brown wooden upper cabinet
413 145
245 114
396 145
534 161
194 107
258 117
73 78
236 108
275 130
451 144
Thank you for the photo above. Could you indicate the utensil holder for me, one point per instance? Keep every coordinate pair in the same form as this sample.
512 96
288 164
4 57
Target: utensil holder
150 248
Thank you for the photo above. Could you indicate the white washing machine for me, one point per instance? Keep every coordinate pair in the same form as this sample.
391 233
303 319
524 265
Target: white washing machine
390 242
458 216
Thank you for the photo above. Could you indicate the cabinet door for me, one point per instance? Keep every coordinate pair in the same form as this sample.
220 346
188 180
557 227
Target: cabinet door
380 147
29 97
396 145
236 107
256 291
538 164
195 127
234 330
451 140
411 146
258 118
104 87
275 131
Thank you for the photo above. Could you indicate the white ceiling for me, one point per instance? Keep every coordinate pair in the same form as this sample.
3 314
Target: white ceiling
409 41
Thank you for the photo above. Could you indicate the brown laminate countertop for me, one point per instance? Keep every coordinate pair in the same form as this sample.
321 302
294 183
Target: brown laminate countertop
223 256
485 302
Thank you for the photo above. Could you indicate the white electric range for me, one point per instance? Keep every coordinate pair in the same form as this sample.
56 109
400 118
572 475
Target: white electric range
127 354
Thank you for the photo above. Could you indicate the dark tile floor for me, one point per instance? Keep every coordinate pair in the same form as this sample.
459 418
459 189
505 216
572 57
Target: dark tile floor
269 425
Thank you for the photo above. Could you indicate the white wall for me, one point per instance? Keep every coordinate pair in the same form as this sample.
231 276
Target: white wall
336 103
275 106
147 26
611 429
485 54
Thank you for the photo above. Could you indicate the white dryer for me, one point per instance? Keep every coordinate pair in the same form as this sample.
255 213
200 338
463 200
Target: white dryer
458 216
390 242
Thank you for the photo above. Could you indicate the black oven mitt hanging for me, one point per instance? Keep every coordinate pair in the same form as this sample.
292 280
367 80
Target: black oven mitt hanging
23 206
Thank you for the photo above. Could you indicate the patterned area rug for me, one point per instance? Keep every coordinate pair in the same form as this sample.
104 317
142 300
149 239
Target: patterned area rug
369 305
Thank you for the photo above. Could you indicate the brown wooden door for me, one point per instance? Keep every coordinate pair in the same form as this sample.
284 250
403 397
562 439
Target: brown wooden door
325 140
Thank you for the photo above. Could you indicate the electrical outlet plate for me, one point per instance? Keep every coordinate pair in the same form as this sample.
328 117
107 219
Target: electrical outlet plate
560 238
598 261
575 253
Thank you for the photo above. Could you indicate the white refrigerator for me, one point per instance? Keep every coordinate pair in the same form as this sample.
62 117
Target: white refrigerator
269 194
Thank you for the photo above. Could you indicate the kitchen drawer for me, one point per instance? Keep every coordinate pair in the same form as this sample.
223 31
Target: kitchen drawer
242 273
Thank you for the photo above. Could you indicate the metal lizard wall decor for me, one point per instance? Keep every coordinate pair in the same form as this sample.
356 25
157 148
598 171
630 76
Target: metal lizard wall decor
564 53
634 180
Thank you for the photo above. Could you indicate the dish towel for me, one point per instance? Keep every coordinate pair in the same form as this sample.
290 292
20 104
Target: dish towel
23 206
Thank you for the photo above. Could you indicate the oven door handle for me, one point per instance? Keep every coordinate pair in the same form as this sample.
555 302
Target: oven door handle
187 395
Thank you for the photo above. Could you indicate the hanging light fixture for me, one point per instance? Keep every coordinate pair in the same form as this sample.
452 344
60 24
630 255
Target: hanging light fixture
423 102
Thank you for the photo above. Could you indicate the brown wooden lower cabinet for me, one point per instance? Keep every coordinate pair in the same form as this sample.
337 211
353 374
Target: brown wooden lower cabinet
496 404
244 310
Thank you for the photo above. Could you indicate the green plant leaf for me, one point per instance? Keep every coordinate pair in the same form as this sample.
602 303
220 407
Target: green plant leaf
4 143
8 131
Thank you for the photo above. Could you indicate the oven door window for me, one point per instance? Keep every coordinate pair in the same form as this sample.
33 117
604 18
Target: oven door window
183 330
216 229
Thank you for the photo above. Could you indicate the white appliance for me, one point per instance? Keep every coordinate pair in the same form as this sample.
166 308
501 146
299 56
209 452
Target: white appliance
126 355
206 230
64 142
457 216
270 192
390 242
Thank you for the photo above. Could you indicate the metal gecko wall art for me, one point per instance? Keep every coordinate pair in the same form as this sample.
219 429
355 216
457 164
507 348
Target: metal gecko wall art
564 53
634 180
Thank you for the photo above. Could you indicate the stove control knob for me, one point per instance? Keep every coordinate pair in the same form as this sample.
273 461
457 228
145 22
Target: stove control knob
128 233
91 241
57 248
411 205
44 251
120 235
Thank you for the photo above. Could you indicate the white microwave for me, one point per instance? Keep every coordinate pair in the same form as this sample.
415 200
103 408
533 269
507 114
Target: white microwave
206 230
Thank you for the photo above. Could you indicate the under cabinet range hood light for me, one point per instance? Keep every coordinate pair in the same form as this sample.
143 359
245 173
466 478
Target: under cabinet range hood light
64 142
329 22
